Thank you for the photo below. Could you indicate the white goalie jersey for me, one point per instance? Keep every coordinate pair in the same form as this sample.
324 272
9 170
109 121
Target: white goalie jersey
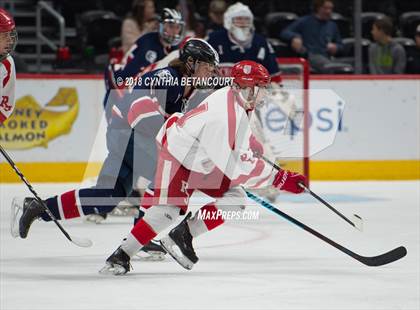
216 134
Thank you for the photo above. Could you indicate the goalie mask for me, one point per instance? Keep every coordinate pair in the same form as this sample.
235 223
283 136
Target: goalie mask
251 80
8 34
171 27
239 22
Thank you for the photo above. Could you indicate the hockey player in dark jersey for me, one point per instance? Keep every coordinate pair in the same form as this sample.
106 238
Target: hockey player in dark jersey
147 50
143 111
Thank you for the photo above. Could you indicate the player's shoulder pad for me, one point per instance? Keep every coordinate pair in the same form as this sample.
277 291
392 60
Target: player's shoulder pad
147 38
166 75
167 72
260 39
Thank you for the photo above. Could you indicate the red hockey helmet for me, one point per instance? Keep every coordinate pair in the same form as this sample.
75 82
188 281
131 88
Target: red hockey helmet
249 73
8 34
251 79
6 21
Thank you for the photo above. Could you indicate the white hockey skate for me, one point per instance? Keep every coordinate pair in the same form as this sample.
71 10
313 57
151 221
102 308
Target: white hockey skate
17 209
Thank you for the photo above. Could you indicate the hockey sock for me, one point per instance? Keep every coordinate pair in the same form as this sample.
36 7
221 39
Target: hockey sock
77 203
155 220
211 215
146 203
63 206
206 219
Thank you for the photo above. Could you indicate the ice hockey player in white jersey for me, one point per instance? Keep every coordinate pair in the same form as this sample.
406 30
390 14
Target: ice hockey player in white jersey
8 40
210 149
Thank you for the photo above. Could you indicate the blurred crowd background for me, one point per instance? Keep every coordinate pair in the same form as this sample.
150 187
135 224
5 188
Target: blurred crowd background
92 31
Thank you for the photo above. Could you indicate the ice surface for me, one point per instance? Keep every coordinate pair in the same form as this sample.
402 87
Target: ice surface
260 264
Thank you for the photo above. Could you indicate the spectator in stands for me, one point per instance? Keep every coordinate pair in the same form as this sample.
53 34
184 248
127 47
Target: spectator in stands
216 10
141 20
195 23
315 35
385 55
413 55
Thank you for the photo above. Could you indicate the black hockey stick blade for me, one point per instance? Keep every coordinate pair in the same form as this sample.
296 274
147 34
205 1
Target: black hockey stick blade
385 258
372 261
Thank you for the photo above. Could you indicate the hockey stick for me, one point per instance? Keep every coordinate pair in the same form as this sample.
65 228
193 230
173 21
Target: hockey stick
379 260
356 221
82 242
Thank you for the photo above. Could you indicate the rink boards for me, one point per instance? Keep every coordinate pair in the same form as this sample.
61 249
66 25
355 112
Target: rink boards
58 128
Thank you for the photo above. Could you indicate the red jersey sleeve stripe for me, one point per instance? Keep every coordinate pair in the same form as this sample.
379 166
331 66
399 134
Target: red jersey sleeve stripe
141 108
231 119
258 169
8 67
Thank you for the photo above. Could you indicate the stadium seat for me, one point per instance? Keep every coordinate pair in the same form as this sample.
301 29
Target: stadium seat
347 56
258 24
407 43
120 8
343 24
299 7
387 7
348 44
71 9
281 48
96 28
114 42
339 68
406 6
408 23
275 22
367 20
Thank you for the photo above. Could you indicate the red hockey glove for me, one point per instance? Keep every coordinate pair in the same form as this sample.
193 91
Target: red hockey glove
289 181
255 146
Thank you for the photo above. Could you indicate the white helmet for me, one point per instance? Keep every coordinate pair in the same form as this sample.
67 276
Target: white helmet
241 34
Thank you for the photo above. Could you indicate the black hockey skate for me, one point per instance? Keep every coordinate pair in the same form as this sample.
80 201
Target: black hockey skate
117 264
31 210
151 252
178 244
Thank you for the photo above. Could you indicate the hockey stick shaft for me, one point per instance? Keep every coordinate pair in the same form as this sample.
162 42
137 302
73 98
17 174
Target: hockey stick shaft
379 260
316 196
31 189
